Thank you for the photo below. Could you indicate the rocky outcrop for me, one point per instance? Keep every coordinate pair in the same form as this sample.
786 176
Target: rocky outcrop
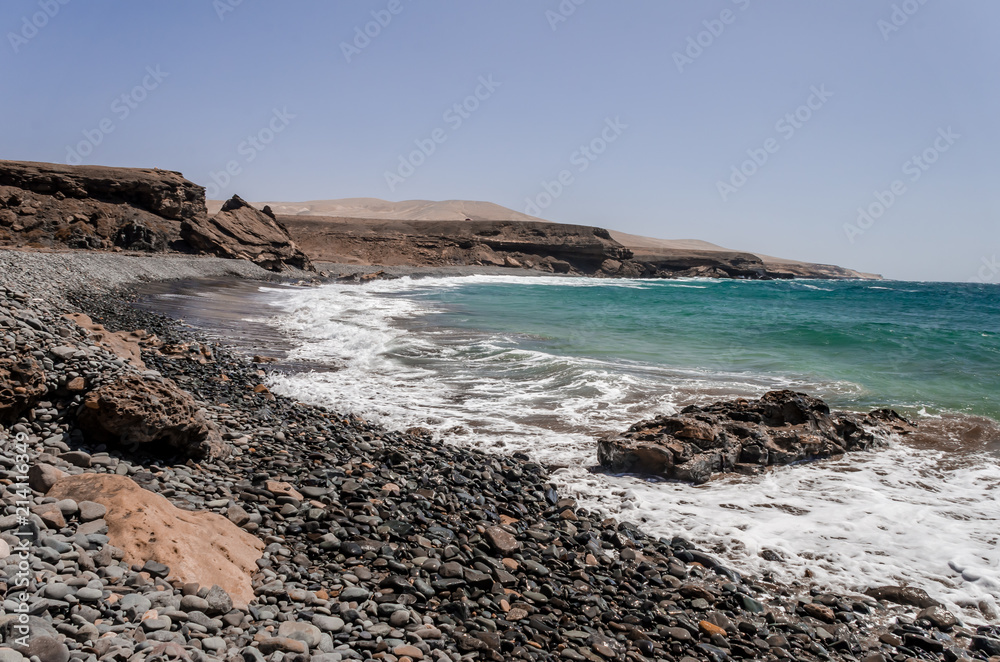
124 344
690 264
196 547
155 414
60 206
47 205
22 384
243 232
744 436
552 247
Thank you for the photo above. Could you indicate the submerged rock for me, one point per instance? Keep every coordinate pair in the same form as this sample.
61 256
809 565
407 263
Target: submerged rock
744 436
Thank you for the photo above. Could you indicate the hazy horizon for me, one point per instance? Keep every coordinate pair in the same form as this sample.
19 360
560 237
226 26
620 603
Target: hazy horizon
865 132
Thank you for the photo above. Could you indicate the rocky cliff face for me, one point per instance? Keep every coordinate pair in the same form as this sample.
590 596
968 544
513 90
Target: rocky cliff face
539 245
47 205
242 232
55 206
549 247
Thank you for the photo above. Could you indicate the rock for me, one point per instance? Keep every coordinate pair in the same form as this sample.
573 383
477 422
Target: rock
10 655
100 207
41 476
278 488
48 649
87 594
501 540
903 595
194 603
4 549
133 410
987 645
411 652
200 547
155 569
76 458
269 645
22 384
939 616
746 435
305 632
243 232
89 511
219 601
328 623
123 344
237 515
822 612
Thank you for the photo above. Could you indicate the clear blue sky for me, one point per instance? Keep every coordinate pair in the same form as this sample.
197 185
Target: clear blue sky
225 67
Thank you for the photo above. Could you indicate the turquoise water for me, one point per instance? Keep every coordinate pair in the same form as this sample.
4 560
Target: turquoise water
547 365
916 346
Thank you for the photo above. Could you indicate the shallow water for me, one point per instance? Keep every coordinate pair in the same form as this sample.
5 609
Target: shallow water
545 366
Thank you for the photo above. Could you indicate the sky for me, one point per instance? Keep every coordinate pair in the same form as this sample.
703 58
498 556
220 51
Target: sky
862 133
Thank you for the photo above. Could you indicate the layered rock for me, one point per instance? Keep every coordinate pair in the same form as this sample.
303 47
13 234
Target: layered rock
552 247
744 436
196 547
60 206
153 413
243 232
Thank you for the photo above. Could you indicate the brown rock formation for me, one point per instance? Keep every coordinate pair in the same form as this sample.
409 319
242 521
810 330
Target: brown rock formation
22 383
123 344
60 206
744 436
199 547
158 414
243 232
546 246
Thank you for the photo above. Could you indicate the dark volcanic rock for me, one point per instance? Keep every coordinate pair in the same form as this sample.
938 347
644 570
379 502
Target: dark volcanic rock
903 595
134 411
745 436
244 232
53 205
22 383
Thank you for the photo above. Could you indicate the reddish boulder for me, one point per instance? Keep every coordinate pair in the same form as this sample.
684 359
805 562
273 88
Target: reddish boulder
135 411
196 546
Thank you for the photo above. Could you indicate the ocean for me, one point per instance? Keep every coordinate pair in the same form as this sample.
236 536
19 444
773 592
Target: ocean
546 365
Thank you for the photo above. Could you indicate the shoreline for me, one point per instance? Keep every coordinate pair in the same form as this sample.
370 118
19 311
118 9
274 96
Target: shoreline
624 594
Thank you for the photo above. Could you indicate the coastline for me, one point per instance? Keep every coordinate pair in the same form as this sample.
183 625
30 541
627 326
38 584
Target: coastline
584 587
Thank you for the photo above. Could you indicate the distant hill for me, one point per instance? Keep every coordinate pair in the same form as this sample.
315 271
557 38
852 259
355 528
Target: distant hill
672 253
384 210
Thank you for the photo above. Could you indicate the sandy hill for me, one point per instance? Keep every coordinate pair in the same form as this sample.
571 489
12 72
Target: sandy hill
384 210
